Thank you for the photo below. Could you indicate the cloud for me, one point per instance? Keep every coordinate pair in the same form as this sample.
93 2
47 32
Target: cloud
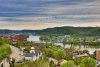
79 9
39 14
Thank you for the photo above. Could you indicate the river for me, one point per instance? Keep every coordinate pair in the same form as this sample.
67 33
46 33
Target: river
36 39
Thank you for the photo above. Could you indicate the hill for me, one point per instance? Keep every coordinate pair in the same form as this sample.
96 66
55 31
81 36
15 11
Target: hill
84 31
6 31
87 31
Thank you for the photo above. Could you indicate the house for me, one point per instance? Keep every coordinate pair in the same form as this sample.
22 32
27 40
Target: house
19 38
67 36
78 52
33 38
97 39
98 55
83 55
33 54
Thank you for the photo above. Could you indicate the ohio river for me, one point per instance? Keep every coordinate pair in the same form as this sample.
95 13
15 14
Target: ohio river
36 39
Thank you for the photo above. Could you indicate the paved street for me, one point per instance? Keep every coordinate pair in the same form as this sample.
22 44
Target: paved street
16 53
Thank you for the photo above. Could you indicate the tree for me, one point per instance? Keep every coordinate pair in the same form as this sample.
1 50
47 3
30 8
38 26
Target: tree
89 62
64 42
28 48
37 63
84 42
17 43
58 54
5 50
86 51
52 64
69 55
1 43
68 40
94 55
82 65
78 60
70 63
44 39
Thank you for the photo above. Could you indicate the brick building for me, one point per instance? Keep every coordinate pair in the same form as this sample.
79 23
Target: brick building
98 55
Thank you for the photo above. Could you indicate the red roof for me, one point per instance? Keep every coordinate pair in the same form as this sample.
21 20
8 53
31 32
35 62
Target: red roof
19 38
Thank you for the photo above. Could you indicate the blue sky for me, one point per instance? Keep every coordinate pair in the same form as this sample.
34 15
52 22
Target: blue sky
40 14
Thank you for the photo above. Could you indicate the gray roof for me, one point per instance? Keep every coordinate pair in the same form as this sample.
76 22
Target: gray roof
32 54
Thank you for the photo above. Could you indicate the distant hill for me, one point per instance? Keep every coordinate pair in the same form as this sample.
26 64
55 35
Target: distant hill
26 31
88 31
6 31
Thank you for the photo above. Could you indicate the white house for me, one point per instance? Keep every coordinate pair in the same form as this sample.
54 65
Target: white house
33 38
33 54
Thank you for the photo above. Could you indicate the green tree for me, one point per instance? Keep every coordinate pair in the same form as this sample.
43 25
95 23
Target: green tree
28 48
64 42
94 55
82 65
52 64
59 54
86 51
89 62
78 60
4 51
68 55
70 63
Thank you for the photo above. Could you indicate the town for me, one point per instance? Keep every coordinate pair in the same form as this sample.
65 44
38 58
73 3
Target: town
49 51
49 33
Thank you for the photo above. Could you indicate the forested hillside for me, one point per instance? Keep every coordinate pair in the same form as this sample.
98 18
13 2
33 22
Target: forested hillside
88 31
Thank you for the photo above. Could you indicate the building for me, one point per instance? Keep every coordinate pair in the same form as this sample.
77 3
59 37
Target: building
97 39
19 38
33 38
98 55
33 54
84 55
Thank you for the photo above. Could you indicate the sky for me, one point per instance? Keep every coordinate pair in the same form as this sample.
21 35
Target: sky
41 14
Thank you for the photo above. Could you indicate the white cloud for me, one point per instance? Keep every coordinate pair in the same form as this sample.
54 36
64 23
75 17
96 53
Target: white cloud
63 9
54 14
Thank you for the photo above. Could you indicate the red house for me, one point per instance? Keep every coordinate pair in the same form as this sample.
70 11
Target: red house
19 38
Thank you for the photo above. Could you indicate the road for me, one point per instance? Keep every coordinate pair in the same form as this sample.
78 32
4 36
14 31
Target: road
15 54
